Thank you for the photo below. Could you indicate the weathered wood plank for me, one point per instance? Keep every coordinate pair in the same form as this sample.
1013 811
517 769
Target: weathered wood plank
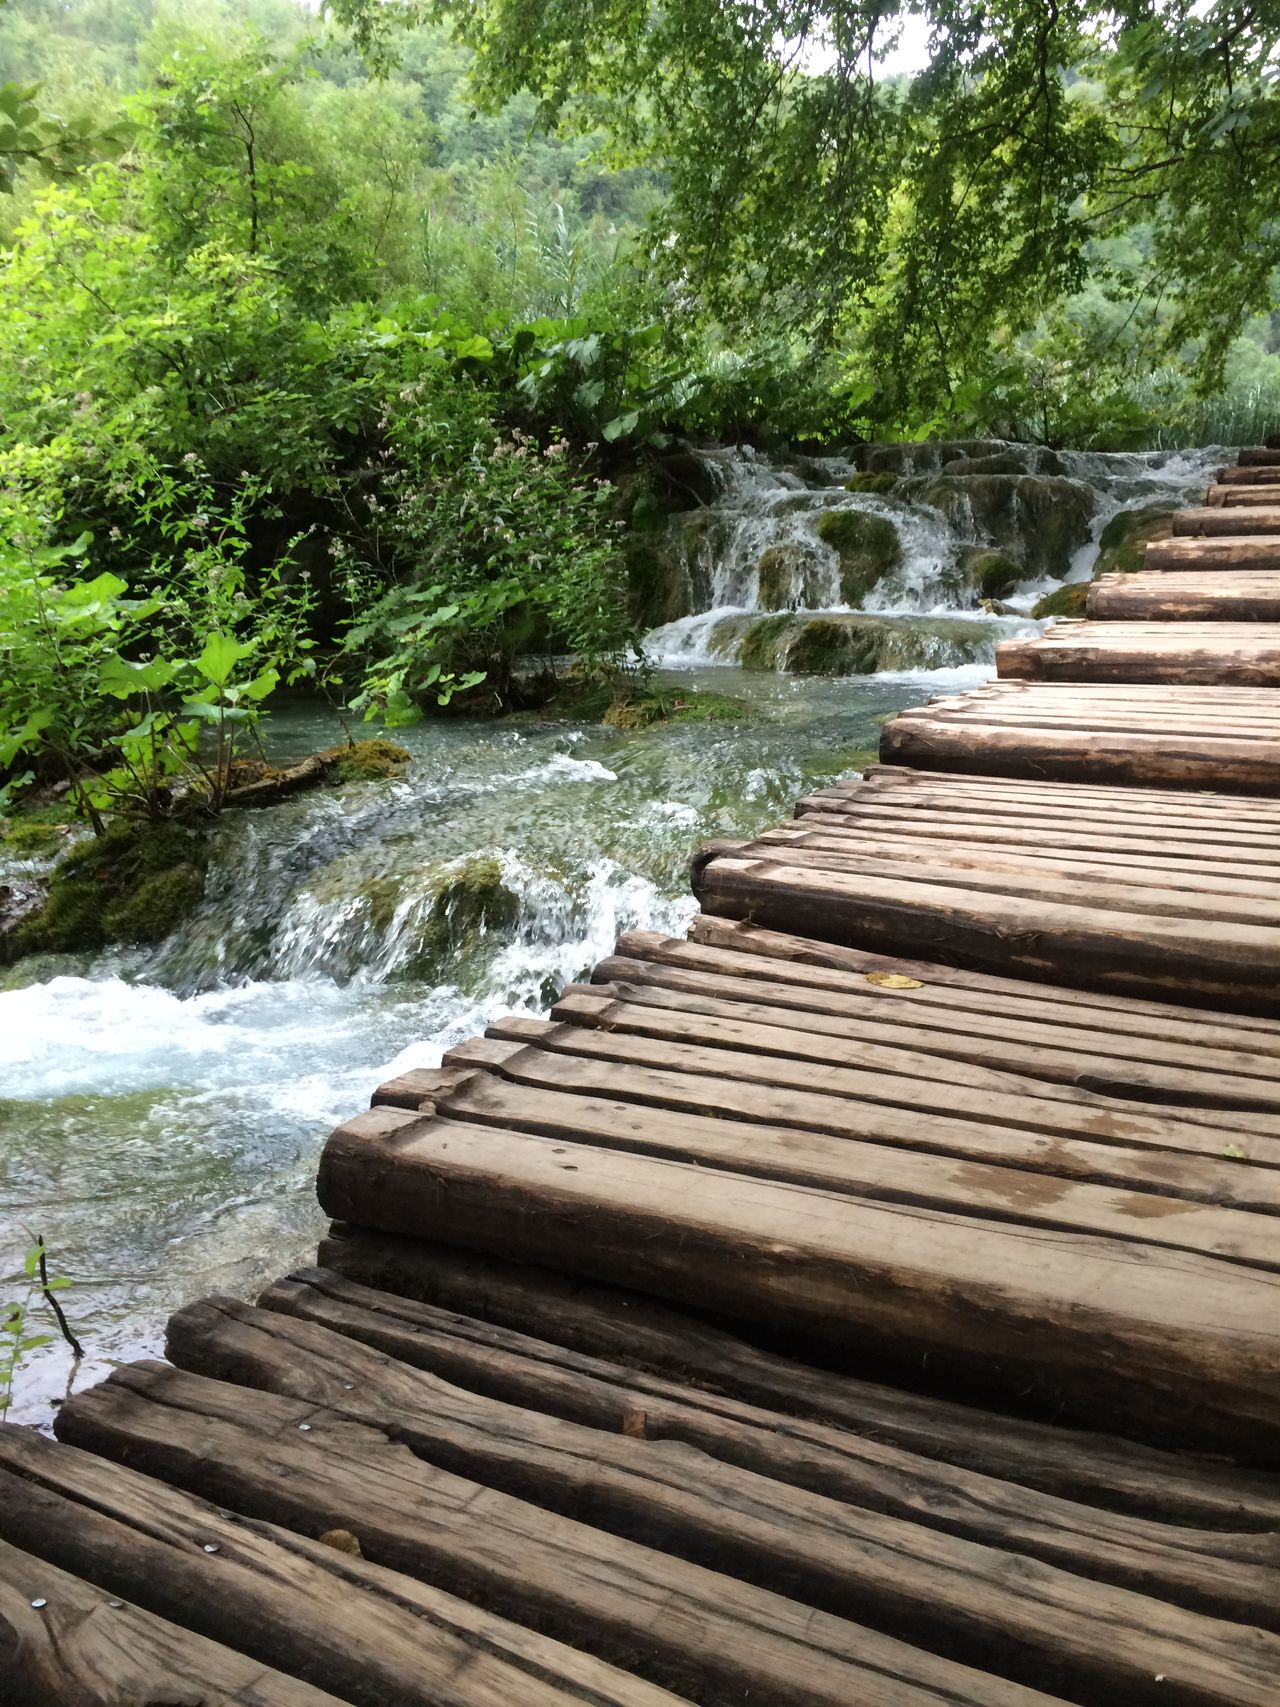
800 963
1238 476
1176 1072
286 1461
1229 653
1231 596
1176 1342
947 1592
300 1605
642 1334
1172 1562
812 958
64 1643
1110 944
1219 522
1207 553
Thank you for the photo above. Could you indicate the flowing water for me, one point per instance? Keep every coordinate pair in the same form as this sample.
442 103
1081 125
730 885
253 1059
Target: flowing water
161 1110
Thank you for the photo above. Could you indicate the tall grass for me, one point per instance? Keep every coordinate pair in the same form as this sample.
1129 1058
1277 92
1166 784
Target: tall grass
1241 414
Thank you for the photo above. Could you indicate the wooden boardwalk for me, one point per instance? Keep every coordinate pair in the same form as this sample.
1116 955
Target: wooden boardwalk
871 1300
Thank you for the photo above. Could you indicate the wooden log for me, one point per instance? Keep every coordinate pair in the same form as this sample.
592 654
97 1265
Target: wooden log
1264 456
812 957
1205 809
1002 1003
642 1335
1234 596
1129 951
1234 493
1093 1057
285 1461
1069 755
1176 1564
1229 653
1246 551
781 1094
303 1606
1249 476
1174 1342
942 1590
1221 522
64 1643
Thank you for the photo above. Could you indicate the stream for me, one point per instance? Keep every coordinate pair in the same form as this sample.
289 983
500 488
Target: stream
162 1109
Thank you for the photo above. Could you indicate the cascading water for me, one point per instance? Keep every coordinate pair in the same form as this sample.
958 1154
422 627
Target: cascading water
161 1109
766 506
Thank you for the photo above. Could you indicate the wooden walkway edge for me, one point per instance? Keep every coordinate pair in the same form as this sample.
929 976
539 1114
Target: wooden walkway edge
872 1298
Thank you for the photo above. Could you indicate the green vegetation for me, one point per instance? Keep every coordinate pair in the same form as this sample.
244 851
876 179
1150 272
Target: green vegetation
351 349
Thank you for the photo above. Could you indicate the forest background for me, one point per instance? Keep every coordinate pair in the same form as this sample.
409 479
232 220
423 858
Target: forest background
349 351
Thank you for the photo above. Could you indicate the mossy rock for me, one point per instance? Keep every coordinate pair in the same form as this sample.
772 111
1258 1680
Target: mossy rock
135 884
374 760
32 838
883 482
920 455
867 546
990 573
789 576
658 584
762 642
1122 546
473 899
1022 459
1062 601
1041 520
827 648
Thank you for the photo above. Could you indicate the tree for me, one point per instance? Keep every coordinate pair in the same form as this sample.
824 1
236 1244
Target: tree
926 214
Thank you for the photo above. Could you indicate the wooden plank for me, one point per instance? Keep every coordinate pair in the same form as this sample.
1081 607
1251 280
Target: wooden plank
1180 1157
1238 888
303 1606
1174 1563
1234 493
1173 1342
1231 596
1249 550
1249 476
289 1462
64 1643
1259 456
1032 1098
798 957
1201 811
1229 653
641 1334
1221 523
873 1171
947 995
1109 945
1052 1046
945 1591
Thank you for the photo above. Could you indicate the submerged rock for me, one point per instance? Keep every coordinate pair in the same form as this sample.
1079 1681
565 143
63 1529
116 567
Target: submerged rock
867 545
843 643
1040 520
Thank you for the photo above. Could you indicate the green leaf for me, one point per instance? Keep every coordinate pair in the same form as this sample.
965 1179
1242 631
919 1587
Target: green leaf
219 657
620 426
263 684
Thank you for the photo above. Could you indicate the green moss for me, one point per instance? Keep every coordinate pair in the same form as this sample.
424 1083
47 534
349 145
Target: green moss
29 838
474 898
991 574
156 908
883 482
826 648
369 761
867 546
1041 520
134 884
1123 545
789 575
762 642
1063 601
